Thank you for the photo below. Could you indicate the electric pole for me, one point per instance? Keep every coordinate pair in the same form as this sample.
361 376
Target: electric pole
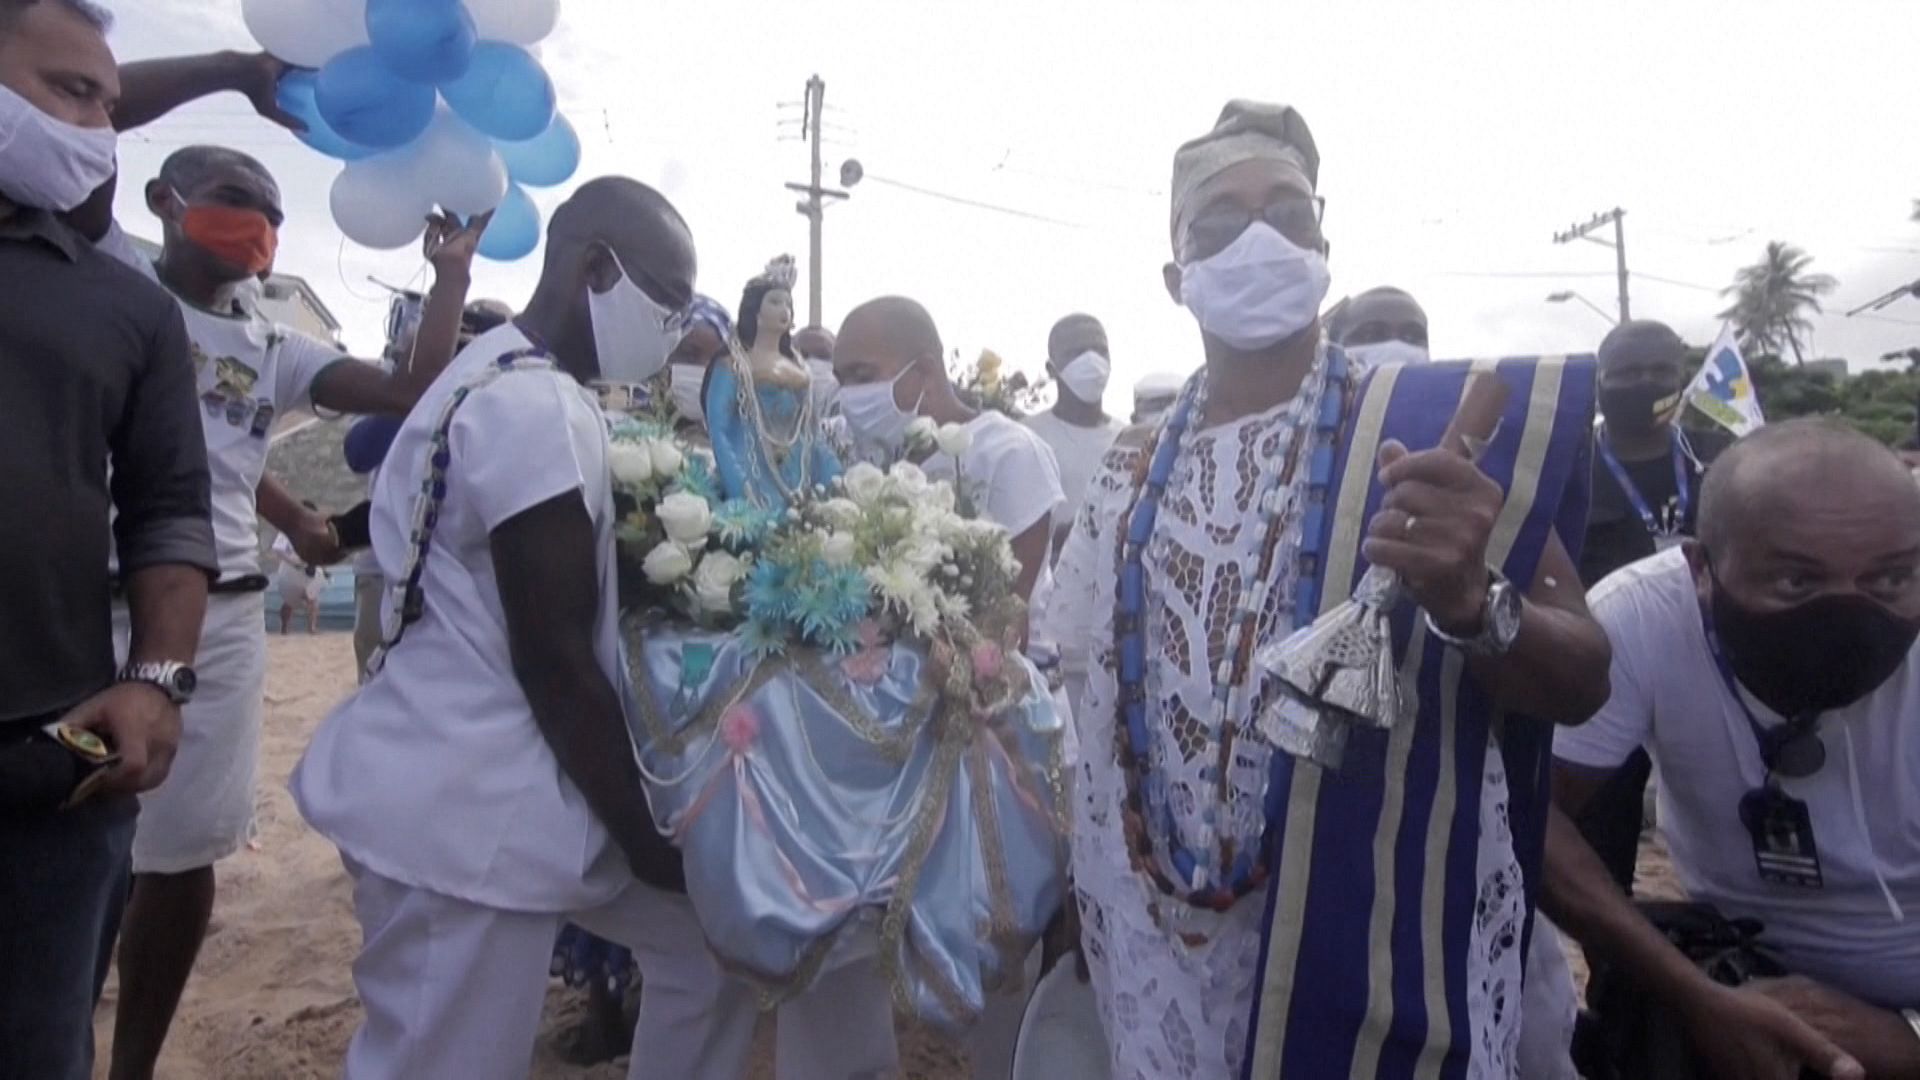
814 206
1619 246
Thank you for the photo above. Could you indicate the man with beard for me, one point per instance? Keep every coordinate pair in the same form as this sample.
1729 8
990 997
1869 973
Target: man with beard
1770 668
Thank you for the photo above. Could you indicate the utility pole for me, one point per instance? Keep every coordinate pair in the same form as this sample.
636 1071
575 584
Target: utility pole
814 206
1619 246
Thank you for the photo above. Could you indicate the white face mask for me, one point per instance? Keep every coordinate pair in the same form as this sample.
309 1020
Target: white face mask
632 335
874 415
1258 291
684 383
1385 353
47 163
1085 376
825 386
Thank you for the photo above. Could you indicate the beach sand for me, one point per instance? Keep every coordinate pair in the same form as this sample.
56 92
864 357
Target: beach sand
272 997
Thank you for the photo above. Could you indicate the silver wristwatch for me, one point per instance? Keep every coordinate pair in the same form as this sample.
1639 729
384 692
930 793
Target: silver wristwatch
1499 621
170 677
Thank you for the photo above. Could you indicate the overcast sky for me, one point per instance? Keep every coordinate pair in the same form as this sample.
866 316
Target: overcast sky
1456 139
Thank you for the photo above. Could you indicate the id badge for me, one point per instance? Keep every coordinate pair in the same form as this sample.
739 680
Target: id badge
1784 851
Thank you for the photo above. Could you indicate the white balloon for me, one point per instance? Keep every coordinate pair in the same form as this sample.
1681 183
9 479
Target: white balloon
306 33
522 22
455 166
376 203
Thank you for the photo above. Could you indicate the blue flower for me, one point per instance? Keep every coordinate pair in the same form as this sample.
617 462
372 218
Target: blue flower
769 593
763 640
744 526
696 478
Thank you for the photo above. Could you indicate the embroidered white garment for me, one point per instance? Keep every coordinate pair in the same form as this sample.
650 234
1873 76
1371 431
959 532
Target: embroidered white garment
1175 1009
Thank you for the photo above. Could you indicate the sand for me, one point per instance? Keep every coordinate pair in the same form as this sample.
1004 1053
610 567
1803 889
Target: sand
272 997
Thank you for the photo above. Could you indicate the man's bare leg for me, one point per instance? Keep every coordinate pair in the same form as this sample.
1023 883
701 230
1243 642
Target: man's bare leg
166 920
286 617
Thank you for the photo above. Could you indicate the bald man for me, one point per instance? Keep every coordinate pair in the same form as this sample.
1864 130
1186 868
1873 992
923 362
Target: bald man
1383 325
220 215
891 368
482 786
1077 429
1770 667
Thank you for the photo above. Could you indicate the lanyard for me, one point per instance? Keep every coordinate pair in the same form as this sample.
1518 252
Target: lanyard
1639 501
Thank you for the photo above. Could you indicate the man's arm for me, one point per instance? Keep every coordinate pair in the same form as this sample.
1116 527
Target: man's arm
1031 549
366 388
150 89
1432 529
1742 1034
309 531
550 592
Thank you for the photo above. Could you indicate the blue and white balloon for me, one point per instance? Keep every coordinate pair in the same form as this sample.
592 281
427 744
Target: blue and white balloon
455 166
505 92
429 41
522 22
515 229
549 158
296 96
306 33
377 204
365 102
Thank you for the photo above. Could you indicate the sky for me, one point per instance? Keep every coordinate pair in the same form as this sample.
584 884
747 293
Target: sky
1455 138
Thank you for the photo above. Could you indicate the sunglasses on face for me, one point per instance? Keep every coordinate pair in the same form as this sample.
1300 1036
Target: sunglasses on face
1297 217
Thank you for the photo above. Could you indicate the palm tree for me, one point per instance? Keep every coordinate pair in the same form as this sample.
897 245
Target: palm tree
1772 298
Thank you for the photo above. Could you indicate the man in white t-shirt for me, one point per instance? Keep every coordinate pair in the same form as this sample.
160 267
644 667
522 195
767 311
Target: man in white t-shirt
1770 668
1077 429
482 786
888 362
1154 394
220 214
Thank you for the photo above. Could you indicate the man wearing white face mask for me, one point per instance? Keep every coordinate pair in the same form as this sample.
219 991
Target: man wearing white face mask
481 786
1246 911
95 375
1381 326
1077 429
709 334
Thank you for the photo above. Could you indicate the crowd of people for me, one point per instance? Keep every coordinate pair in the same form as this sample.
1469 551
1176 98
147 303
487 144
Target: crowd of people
1588 607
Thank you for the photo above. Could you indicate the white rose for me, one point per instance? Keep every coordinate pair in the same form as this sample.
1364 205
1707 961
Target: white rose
841 513
923 432
907 479
667 458
685 517
838 549
939 498
864 483
630 464
713 581
667 563
954 439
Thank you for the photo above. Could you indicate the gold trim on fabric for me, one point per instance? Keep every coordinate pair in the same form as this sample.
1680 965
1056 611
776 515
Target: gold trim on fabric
1303 797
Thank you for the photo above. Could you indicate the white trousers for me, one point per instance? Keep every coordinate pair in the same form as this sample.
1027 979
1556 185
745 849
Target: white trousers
454 990
1548 1007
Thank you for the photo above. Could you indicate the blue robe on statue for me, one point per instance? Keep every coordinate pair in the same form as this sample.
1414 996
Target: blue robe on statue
741 456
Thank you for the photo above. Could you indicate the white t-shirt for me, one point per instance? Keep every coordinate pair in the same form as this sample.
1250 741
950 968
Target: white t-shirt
1007 470
1078 451
434 773
1668 696
249 371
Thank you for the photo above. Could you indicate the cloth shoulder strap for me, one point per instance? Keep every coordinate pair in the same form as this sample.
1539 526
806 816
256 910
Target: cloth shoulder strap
409 595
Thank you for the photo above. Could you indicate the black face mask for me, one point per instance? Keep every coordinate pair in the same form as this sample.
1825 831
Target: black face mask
1824 654
1636 406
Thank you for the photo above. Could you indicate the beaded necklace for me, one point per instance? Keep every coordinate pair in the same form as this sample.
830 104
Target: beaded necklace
433 493
1220 872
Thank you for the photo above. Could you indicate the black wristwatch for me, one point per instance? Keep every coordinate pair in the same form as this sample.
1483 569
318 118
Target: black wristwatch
170 677
1499 621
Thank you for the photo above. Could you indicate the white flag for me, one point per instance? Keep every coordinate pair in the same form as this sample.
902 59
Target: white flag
1724 388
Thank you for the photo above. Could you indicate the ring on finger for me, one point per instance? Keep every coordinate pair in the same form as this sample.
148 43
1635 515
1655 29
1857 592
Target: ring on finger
1408 528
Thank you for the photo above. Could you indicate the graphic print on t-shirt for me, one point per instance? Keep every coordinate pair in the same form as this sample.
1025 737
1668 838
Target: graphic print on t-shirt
228 395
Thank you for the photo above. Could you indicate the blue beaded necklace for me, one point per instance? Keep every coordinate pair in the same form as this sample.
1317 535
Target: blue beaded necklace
1221 871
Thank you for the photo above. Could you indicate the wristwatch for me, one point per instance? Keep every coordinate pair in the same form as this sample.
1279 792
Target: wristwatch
1499 621
172 678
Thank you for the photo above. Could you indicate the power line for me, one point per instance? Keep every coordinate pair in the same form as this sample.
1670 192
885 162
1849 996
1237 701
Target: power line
977 204
1673 281
1524 273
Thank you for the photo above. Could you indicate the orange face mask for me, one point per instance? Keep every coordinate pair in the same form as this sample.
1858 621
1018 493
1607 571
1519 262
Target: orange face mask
241 238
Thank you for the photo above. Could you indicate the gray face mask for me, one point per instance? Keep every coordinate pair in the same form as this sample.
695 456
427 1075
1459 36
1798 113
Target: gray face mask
632 335
1258 291
873 412
47 163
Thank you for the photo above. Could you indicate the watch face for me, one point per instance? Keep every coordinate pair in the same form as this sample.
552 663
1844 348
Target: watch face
184 681
1503 614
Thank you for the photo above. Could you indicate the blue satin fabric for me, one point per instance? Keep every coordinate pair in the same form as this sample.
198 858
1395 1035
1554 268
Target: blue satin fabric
851 807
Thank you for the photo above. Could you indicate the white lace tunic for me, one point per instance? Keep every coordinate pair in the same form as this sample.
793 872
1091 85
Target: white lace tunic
1175 992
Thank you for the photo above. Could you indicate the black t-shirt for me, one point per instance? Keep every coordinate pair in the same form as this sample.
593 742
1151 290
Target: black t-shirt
1616 534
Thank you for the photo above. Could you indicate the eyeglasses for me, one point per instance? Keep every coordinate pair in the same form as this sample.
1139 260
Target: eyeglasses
1296 217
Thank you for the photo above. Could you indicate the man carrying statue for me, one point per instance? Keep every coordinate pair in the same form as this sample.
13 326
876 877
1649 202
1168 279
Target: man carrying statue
1246 912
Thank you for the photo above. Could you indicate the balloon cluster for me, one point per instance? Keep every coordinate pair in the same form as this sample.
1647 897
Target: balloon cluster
430 103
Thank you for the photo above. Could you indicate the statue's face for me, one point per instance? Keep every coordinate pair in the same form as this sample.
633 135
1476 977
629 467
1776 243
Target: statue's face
776 312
